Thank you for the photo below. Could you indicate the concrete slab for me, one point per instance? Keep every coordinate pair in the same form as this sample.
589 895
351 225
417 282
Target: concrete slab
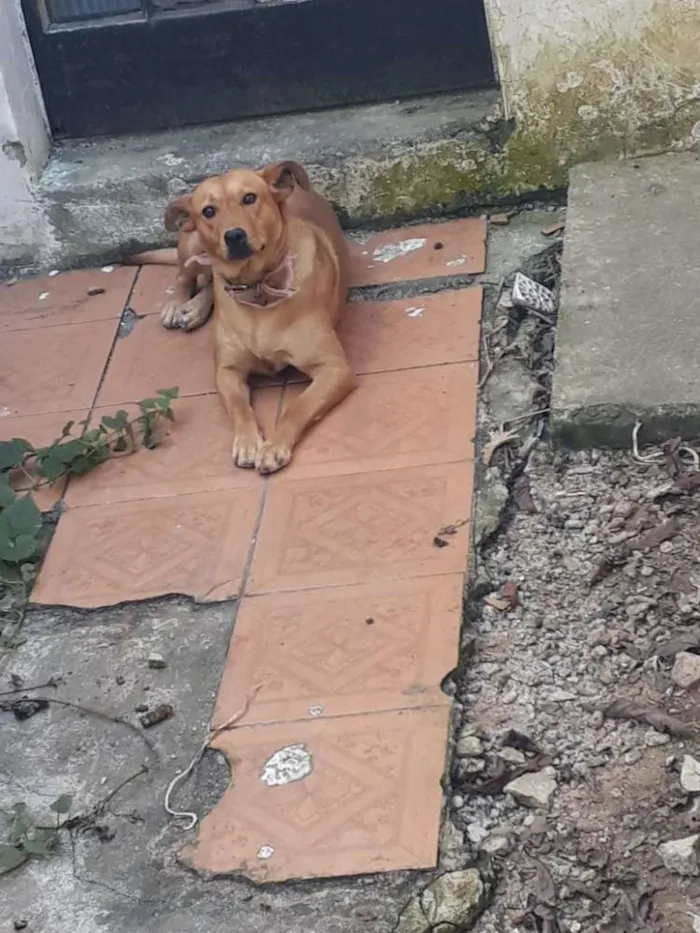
628 336
106 196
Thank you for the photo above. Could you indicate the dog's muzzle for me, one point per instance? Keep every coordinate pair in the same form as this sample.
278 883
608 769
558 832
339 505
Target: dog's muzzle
237 244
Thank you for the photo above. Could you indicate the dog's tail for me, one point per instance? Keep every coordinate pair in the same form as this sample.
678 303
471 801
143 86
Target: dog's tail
153 257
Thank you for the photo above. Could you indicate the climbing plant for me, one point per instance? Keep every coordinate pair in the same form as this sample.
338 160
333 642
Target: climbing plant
24 468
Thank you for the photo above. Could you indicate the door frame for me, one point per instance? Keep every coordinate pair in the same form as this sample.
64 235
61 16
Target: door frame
141 73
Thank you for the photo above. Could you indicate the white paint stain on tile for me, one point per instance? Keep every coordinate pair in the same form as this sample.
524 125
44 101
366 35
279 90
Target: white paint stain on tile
108 268
44 295
266 852
315 711
53 272
394 250
289 764
414 312
5 413
459 261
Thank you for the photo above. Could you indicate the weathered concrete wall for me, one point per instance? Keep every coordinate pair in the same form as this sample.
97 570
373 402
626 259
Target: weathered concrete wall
24 140
585 80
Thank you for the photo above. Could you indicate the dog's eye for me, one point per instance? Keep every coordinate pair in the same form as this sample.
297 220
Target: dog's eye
250 198
209 211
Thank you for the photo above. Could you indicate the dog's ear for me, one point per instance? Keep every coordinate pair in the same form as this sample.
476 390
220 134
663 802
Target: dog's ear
178 215
282 177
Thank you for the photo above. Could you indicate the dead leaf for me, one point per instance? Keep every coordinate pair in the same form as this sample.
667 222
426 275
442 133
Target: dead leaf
499 774
522 494
541 913
509 591
497 439
655 536
651 715
439 542
683 641
497 602
553 228
453 528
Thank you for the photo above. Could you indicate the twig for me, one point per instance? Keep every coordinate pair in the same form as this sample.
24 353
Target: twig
81 820
489 363
527 416
182 776
52 682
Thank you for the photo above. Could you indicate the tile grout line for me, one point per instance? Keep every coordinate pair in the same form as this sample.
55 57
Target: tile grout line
100 382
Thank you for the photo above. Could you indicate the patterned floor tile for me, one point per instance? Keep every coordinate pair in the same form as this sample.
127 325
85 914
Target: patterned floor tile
40 431
329 531
68 298
58 369
370 803
195 545
193 455
354 649
152 358
423 331
457 247
393 420
154 288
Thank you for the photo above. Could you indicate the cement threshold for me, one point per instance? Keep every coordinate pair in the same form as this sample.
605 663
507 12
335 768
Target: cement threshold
628 335
105 197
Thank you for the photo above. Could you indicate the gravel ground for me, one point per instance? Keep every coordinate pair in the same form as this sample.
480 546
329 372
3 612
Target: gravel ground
585 598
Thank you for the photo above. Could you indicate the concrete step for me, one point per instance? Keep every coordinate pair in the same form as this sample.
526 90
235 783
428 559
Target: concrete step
384 162
628 335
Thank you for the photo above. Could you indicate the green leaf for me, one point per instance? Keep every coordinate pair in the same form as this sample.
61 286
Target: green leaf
7 494
120 445
148 404
169 414
116 422
52 468
92 437
81 465
26 546
10 858
62 805
169 393
68 451
23 516
11 454
41 842
67 428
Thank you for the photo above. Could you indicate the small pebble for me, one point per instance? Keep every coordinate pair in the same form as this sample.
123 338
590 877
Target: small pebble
458 801
141 708
120 680
96 291
156 661
653 738
666 547
20 924
159 714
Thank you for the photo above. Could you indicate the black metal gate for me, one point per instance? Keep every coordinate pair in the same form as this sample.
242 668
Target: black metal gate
116 66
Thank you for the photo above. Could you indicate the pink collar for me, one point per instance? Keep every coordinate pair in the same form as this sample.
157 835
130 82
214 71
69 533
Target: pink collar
272 290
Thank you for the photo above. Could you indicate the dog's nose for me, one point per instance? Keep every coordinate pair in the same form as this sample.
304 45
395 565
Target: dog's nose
237 243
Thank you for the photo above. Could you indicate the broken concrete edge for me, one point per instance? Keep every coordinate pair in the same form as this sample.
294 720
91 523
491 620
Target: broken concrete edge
611 426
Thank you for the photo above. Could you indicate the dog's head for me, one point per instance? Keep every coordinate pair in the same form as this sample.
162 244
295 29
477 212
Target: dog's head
238 215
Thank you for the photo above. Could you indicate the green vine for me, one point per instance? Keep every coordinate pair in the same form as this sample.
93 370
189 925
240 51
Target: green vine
25 468
26 838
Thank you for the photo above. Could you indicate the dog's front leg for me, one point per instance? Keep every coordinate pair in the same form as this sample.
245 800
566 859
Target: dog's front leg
235 394
331 382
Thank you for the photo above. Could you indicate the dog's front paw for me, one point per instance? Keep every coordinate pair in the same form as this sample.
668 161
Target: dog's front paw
170 315
245 450
194 313
272 456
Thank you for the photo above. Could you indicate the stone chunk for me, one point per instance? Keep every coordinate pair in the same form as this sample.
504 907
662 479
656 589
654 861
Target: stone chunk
686 669
533 790
680 855
690 775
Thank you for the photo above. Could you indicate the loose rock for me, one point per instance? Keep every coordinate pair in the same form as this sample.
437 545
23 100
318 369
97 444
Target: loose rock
156 661
690 775
686 669
533 790
652 738
469 746
454 900
680 855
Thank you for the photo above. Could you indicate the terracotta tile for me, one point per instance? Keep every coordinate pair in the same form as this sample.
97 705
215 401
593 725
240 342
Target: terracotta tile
152 358
195 545
154 288
457 247
393 420
348 649
193 455
64 299
423 331
330 531
55 370
41 430
371 803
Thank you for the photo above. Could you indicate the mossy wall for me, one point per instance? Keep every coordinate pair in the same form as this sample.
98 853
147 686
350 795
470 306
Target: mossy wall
581 80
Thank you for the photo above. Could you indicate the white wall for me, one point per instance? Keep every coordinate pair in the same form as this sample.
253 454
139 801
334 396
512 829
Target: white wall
24 139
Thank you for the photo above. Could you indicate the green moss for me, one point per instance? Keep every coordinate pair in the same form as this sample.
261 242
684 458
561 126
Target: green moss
612 97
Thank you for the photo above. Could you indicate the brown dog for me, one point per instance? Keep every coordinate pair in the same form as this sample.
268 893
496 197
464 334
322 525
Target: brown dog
280 278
